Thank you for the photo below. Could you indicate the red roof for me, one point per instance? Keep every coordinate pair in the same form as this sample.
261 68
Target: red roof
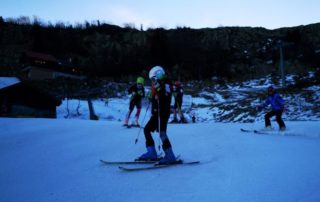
42 56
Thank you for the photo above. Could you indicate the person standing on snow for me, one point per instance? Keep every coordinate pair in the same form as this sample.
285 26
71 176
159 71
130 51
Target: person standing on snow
137 93
178 98
277 104
160 100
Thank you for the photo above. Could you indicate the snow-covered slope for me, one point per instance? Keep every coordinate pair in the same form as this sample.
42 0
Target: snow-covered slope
234 102
58 160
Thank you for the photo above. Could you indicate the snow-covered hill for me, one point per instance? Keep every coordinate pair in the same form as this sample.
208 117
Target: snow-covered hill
234 102
58 160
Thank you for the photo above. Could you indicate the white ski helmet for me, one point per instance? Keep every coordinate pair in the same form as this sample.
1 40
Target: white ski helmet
156 72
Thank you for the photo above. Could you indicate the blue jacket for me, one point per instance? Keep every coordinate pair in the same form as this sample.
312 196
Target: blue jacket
277 103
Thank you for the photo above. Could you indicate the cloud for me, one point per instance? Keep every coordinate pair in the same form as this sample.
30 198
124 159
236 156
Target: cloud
122 14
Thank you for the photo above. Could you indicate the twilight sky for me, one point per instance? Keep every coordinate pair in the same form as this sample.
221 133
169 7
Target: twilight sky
270 14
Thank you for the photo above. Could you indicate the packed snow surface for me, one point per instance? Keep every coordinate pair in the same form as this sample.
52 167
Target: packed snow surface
58 160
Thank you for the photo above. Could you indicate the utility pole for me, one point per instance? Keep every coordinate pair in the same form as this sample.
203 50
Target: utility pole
281 64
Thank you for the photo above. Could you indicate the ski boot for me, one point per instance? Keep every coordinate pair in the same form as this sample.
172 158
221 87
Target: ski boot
169 157
183 120
282 128
135 124
268 128
175 120
150 155
126 121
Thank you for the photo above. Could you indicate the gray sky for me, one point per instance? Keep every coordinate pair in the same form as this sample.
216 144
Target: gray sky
270 14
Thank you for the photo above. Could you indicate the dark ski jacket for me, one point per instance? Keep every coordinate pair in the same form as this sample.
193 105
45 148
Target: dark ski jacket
161 98
277 103
136 92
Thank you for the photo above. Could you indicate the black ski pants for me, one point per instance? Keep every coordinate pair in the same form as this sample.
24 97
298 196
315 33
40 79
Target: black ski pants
152 126
278 114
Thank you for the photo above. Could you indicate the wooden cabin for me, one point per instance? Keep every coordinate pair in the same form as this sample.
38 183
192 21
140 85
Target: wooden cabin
40 66
18 99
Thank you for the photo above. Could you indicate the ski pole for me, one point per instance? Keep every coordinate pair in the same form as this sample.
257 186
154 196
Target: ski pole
159 124
254 123
255 120
142 123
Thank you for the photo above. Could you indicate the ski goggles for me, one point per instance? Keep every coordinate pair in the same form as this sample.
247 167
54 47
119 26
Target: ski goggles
154 79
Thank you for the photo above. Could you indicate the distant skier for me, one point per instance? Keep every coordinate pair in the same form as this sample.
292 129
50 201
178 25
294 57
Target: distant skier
160 100
277 104
137 93
177 107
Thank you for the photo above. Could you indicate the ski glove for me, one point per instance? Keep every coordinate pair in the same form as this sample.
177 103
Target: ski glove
157 86
140 93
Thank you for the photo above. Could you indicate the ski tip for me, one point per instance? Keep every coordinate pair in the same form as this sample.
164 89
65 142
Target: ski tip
129 169
103 162
245 130
123 168
191 162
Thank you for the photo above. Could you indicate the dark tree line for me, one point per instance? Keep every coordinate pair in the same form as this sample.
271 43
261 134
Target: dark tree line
101 49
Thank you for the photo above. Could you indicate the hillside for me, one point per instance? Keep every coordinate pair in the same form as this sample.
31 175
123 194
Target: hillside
192 54
212 102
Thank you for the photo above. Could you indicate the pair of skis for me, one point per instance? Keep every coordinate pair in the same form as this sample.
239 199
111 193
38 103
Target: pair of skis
132 126
264 132
152 164
254 131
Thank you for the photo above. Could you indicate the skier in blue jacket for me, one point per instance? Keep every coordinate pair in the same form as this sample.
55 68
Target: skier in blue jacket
277 104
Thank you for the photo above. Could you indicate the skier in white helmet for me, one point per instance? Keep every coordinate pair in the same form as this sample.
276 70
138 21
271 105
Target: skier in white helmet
161 91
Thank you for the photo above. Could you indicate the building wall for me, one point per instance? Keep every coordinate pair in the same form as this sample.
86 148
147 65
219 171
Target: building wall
25 111
22 101
40 74
18 110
